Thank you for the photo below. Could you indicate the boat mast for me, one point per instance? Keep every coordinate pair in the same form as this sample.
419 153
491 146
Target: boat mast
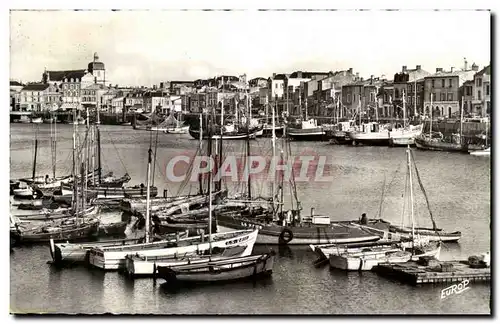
430 128
75 173
274 157
87 156
411 201
201 147
461 114
209 189
99 168
148 196
53 133
404 110
415 97
36 153
219 185
249 185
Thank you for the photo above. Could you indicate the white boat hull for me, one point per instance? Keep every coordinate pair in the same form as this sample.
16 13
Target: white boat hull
114 258
142 266
366 263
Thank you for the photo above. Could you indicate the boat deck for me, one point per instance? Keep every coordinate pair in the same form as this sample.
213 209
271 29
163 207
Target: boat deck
415 274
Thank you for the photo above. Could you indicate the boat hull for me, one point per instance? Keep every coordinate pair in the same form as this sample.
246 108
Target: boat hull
195 133
309 134
114 259
274 234
63 253
137 266
366 263
233 269
80 232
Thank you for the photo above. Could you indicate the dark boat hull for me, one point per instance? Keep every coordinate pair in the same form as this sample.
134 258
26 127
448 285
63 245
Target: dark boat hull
74 233
299 235
243 135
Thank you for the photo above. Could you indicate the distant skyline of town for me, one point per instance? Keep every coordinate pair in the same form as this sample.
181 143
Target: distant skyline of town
148 47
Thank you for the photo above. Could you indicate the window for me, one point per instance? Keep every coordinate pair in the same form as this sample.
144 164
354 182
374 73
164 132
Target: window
468 91
479 95
479 82
449 112
488 107
432 82
450 96
442 97
450 83
488 90
442 83
276 86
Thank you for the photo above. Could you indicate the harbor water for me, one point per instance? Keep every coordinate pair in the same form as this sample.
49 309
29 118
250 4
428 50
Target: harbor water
363 179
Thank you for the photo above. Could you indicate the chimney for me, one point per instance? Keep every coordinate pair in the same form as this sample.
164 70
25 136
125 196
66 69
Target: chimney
475 68
404 68
439 70
357 75
451 69
465 64
350 70
274 75
419 67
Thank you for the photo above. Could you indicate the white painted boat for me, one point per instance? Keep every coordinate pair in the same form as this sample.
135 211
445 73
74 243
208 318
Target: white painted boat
137 265
24 192
177 130
228 269
365 261
113 258
38 120
485 152
77 252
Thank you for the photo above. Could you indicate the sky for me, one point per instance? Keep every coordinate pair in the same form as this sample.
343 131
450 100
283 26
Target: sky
147 47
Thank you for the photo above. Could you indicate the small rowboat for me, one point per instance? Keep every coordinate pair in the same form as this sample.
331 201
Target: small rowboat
227 269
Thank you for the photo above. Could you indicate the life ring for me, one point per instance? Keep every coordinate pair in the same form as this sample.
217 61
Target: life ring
286 236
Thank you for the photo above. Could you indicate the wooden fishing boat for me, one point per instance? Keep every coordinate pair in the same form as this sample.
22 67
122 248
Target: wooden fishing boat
427 233
61 213
62 253
112 192
177 130
316 230
227 269
141 266
325 250
368 258
113 258
70 229
66 252
308 131
240 134
371 134
405 136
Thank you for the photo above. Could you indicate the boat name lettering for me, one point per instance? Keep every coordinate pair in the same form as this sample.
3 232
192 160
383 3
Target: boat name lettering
241 239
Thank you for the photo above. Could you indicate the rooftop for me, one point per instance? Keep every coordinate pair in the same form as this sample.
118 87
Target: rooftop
36 87
61 75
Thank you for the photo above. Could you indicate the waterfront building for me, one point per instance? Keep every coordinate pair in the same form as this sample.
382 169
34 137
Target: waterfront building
404 82
444 86
15 95
32 97
467 94
481 103
134 100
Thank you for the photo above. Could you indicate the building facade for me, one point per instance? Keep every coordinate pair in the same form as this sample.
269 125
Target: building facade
481 103
32 97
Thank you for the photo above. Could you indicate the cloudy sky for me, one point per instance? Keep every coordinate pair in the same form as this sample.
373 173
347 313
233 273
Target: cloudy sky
146 47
